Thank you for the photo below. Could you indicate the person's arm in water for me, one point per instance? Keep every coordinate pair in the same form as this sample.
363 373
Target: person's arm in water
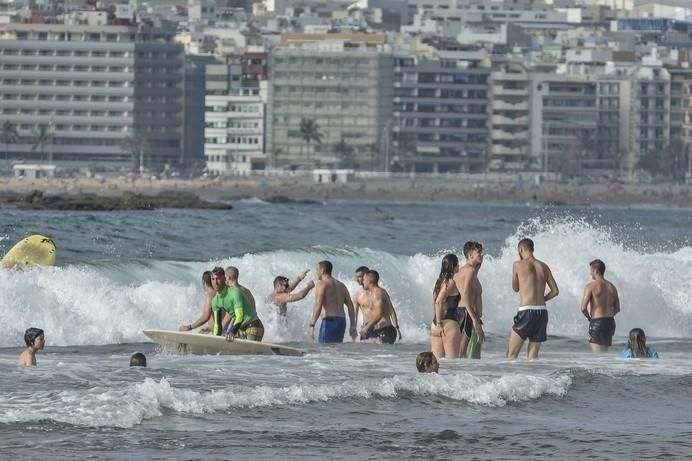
515 278
377 311
351 313
282 298
585 301
204 317
292 285
469 302
554 290
316 310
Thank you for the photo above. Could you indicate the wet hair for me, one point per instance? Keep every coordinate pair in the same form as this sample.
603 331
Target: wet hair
363 269
449 263
326 266
280 280
31 334
637 343
470 246
526 243
424 360
206 278
373 275
232 273
138 360
598 265
218 271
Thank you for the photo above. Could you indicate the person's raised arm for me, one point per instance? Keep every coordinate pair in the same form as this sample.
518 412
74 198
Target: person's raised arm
515 278
554 290
293 284
585 301
293 297
316 309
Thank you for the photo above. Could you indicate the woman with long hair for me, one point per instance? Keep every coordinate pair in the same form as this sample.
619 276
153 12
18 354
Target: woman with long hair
445 331
636 346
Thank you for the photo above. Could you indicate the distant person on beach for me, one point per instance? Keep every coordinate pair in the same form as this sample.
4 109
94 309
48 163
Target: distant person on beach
232 276
35 340
205 316
445 332
138 360
601 297
471 301
529 278
427 363
637 348
331 296
283 291
379 316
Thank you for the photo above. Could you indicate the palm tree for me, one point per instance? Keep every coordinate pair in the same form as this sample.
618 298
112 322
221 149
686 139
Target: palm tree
41 137
344 151
135 146
8 135
310 131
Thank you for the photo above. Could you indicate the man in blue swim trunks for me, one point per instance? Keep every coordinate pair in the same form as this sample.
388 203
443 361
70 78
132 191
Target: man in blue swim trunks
330 298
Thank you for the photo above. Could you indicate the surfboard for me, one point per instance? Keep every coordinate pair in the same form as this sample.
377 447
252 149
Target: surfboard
186 342
35 250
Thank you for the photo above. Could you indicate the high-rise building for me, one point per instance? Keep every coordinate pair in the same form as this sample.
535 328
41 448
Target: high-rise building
90 87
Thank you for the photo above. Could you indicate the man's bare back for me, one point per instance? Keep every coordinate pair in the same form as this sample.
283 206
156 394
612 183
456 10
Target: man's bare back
530 277
602 297
334 294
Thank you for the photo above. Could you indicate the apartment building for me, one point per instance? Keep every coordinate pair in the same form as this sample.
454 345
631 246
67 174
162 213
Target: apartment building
440 111
91 87
234 113
340 82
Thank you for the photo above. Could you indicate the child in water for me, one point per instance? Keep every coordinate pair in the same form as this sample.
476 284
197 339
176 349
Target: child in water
426 362
636 346
35 340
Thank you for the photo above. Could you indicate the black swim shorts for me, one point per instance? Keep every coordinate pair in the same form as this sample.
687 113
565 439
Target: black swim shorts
386 335
601 331
465 323
532 324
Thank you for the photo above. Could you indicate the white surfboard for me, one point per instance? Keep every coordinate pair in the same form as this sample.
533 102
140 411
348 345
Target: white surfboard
186 342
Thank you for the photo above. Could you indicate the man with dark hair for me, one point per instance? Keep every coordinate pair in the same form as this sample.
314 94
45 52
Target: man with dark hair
35 340
426 362
361 296
330 297
283 291
379 316
530 278
138 360
602 297
471 301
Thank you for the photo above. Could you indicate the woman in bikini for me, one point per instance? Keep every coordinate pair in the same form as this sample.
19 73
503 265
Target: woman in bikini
445 331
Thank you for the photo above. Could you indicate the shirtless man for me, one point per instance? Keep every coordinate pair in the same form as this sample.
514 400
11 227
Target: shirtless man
35 339
330 297
529 278
471 302
360 295
283 291
232 274
378 312
602 296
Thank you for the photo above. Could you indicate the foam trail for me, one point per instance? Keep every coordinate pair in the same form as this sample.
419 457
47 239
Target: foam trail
112 303
130 405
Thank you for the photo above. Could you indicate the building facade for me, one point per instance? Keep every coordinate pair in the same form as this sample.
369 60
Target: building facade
91 88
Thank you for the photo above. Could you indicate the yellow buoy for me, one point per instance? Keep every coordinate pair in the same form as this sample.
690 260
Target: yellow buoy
35 250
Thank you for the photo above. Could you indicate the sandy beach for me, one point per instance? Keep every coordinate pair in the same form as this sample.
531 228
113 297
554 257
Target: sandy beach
384 189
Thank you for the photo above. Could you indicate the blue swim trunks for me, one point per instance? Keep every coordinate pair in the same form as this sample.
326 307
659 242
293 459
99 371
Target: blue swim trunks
332 330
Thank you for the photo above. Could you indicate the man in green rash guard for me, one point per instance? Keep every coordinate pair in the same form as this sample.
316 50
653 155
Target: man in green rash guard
241 319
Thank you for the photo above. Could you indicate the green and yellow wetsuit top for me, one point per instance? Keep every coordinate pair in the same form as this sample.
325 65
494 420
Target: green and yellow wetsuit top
232 301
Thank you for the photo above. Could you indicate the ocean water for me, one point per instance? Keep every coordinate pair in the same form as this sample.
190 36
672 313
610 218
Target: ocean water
119 273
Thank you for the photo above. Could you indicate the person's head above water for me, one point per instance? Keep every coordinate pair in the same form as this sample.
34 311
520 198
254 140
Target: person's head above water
426 362
281 283
232 274
473 252
597 267
138 360
360 273
637 342
449 267
218 278
371 279
525 247
324 268
34 337
206 279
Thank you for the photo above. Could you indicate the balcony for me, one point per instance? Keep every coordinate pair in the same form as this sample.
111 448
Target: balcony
502 120
506 150
500 90
501 135
502 105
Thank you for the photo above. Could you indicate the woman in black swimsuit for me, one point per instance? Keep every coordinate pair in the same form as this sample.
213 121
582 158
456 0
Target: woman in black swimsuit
445 332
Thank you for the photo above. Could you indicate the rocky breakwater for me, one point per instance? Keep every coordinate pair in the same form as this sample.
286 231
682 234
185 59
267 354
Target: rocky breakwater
39 200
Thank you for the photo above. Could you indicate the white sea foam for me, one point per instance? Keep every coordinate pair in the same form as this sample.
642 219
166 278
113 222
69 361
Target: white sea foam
101 304
127 406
